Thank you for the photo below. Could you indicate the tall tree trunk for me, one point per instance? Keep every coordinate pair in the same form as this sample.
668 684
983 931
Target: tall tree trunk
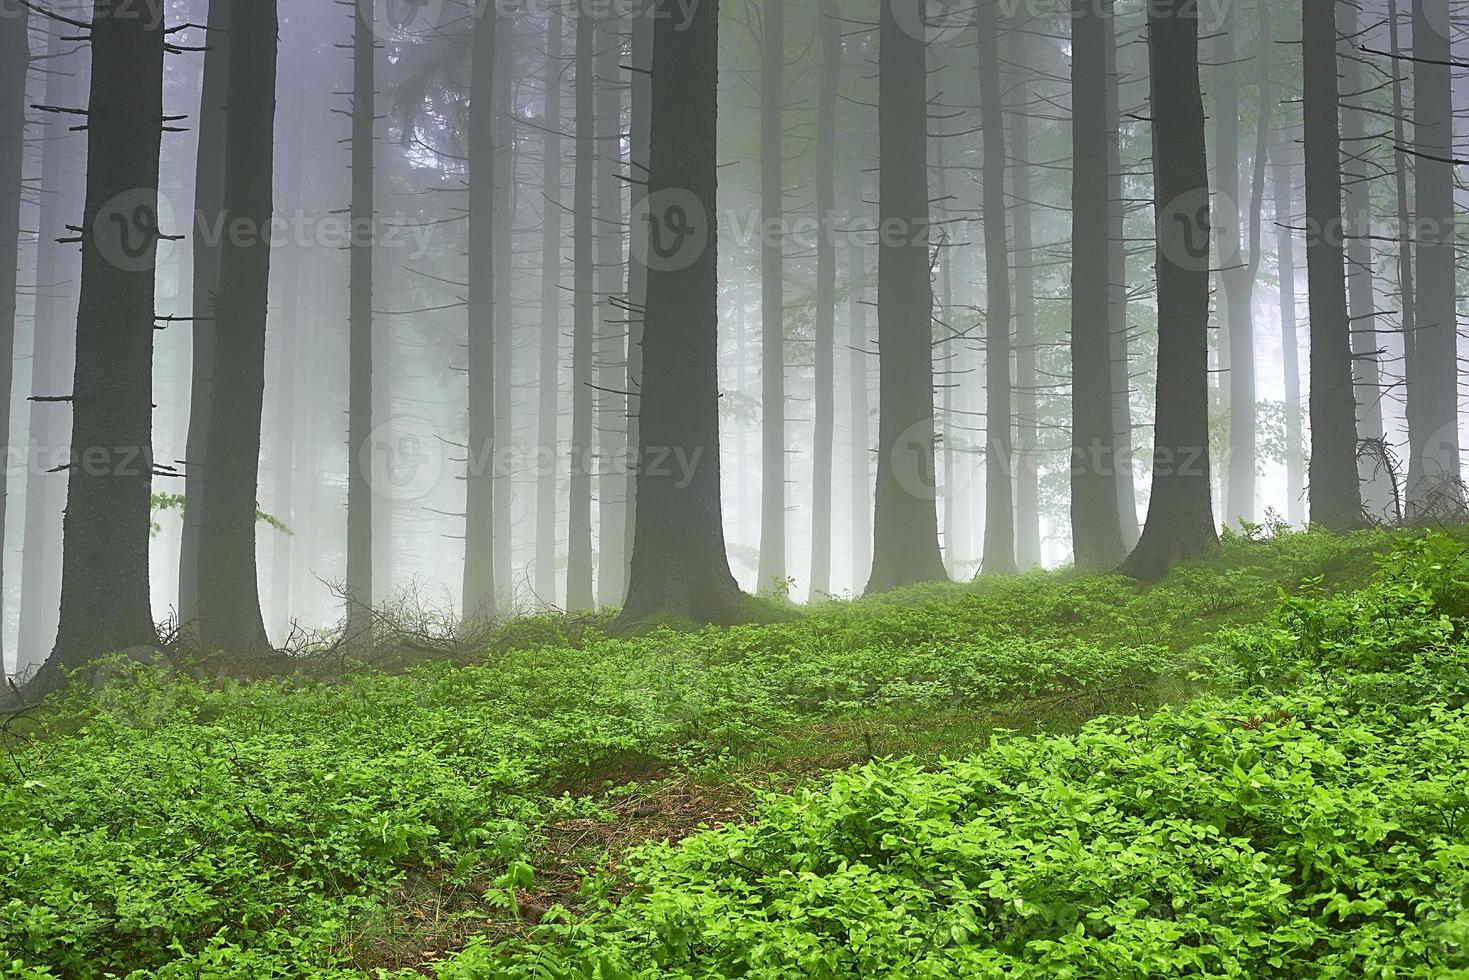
15 63
549 382
51 358
637 268
360 328
1096 528
1406 294
611 400
506 189
679 568
1027 431
104 576
772 299
861 414
1117 306
1180 522
1290 347
206 230
1434 491
1336 496
829 26
579 531
479 499
229 592
999 510
906 540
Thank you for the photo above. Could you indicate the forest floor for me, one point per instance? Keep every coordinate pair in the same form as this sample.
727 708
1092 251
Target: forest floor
757 801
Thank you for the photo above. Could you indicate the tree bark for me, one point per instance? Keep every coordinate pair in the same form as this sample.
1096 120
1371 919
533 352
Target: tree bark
506 188
611 400
906 544
1117 305
679 567
1180 523
579 532
360 328
1336 496
549 382
861 413
637 269
1096 528
829 27
1290 347
15 63
1027 431
772 572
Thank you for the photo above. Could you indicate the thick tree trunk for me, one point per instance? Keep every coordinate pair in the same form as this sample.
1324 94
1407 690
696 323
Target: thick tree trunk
1117 306
15 63
679 568
579 530
1336 496
1290 346
999 510
1180 522
104 577
479 524
206 230
829 26
772 300
52 355
1434 490
549 382
906 542
611 400
860 415
1096 528
1027 431
360 328
229 617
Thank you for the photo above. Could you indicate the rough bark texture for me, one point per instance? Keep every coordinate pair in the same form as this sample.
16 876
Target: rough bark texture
772 571
104 578
611 397
679 568
549 375
1180 521
360 328
905 539
1336 497
999 496
579 527
1027 432
15 63
1096 528
829 27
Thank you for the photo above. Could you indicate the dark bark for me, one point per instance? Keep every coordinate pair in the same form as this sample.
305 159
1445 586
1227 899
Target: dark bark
360 327
999 494
1096 528
479 543
1027 432
1117 306
579 529
772 571
104 578
641 98
679 567
1336 497
549 380
829 27
905 540
1406 293
1290 347
611 374
15 63
1180 521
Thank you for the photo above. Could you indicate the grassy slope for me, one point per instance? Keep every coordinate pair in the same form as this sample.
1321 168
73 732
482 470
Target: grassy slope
175 828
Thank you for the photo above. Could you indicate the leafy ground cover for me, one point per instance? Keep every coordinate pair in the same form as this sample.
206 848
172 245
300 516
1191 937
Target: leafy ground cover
439 820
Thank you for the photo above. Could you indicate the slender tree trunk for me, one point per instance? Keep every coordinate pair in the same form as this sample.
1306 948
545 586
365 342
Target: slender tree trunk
679 568
1290 347
506 188
579 545
772 299
1434 491
611 400
550 335
206 230
1117 308
1180 522
861 413
1096 529
229 592
51 358
951 346
479 524
1336 497
1027 431
999 511
637 268
906 542
104 577
15 63
829 26
1406 294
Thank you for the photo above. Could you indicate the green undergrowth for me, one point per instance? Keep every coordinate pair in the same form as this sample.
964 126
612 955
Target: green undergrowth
164 826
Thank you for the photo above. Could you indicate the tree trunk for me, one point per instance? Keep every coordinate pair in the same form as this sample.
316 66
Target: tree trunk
206 230
637 268
772 300
906 542
679 567
1434 490
479 491
229 594
1117 307
829 26
579 531
999 510
1406 294
1027 431
15 63
506 189
1096 528
611 400
549 382
104 577
1336 497
861 414
360 328
1180 521
1290 347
